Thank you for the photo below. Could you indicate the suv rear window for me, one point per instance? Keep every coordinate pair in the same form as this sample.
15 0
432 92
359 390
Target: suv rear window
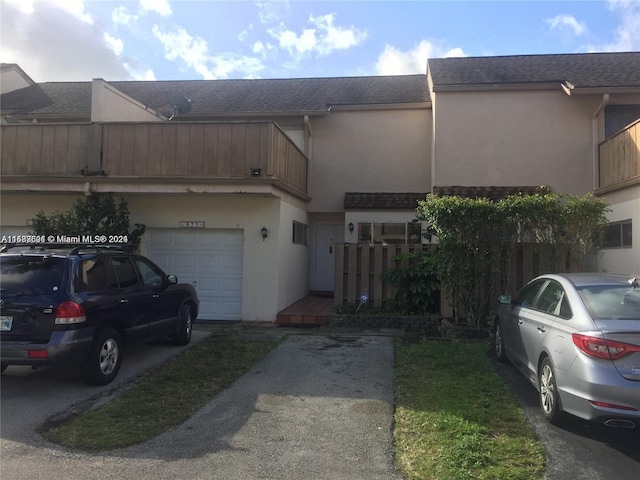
31 275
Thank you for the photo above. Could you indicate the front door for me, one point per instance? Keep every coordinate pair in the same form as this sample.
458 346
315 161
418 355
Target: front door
327 238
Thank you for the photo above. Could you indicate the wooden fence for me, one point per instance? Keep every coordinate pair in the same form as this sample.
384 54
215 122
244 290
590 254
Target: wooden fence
360 269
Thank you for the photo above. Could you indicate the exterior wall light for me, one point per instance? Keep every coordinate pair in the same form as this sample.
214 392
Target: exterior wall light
264 232
351 227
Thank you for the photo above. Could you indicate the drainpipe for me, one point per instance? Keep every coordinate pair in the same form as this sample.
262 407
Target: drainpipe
594 139
309 145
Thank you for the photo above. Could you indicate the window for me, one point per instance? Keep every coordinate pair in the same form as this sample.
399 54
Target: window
553 300
92 276
299 233
390 233
618 117
528 294
617 235
150 276
31 275
125 273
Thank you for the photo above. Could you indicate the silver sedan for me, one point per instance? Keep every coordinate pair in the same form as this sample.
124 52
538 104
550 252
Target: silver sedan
576 337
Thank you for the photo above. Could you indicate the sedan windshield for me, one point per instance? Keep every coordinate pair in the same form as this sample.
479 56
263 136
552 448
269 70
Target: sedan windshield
611 302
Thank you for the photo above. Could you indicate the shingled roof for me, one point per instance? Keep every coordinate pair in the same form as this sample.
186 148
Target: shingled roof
229 97
587 70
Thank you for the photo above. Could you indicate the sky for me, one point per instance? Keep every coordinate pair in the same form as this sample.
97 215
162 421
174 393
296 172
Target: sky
78 40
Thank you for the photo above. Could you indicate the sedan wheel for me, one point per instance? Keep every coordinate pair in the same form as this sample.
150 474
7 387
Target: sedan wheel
499 342
549 399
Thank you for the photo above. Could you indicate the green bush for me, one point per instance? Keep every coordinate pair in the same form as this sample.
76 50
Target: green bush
414 283
476 236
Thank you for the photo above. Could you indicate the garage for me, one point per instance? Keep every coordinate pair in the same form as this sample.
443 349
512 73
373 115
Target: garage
209 259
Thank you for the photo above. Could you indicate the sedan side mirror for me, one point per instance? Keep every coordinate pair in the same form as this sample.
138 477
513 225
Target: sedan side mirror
172 279
505 299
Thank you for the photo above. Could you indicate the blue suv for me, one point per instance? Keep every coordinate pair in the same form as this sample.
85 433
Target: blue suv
81 304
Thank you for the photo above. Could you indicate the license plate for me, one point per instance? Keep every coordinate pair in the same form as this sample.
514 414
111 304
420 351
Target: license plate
5 323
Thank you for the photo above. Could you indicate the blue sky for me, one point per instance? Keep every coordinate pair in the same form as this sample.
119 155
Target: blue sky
77 40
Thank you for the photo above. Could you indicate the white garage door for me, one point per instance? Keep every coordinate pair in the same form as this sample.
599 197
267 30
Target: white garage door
211 260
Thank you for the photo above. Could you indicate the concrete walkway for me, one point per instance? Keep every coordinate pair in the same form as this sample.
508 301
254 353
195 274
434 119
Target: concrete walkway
317 407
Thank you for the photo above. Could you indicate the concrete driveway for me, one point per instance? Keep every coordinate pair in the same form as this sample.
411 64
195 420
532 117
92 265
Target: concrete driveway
578 450
318 406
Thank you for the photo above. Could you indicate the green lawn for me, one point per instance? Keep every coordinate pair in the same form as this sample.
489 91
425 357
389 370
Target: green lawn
456 419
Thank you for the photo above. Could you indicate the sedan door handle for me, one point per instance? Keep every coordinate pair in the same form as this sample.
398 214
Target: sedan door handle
520 322
124 300
542 329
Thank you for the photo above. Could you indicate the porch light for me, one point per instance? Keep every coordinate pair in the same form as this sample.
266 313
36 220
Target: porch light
264 233
351 227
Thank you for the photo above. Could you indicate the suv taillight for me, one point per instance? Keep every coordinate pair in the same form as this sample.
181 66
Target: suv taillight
70 312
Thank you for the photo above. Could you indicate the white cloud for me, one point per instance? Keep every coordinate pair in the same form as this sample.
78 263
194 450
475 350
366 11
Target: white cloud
396 62
322 39
627 35
72 47
161 7
179 45
562 23
121 16
115 44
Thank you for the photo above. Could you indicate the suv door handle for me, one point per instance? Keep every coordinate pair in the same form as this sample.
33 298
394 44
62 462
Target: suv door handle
542 329
520 322
124 300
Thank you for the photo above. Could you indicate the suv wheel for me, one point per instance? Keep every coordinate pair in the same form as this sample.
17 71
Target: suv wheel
105 358
183 337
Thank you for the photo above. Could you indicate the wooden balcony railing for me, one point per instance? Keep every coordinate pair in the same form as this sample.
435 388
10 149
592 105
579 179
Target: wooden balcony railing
189 151
619 157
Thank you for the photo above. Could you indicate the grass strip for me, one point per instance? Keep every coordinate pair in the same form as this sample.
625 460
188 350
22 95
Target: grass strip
164 397
457 419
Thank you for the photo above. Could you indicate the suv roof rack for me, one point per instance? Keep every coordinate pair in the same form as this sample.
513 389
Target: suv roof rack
75 247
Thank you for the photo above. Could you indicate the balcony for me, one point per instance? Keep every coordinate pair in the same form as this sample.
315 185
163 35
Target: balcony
225 155
619 158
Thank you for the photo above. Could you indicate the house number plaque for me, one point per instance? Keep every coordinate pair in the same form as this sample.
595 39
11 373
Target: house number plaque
191 224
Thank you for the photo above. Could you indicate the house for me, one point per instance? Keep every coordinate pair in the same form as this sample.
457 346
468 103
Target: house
569 122
247 187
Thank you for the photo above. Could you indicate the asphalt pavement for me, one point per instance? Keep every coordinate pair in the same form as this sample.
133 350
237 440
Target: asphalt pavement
316 407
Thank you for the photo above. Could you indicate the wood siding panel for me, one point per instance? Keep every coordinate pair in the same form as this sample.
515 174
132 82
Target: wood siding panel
141 150
196 151
216 151
239 167
223 151
210 151
8 159
619 156
35 151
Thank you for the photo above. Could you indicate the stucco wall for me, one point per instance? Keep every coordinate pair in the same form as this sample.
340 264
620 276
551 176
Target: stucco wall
275 272
293 259
368 151
508 138
108 104
625 205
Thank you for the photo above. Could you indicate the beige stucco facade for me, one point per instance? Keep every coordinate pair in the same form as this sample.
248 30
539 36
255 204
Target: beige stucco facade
368 150
625 205
509 138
